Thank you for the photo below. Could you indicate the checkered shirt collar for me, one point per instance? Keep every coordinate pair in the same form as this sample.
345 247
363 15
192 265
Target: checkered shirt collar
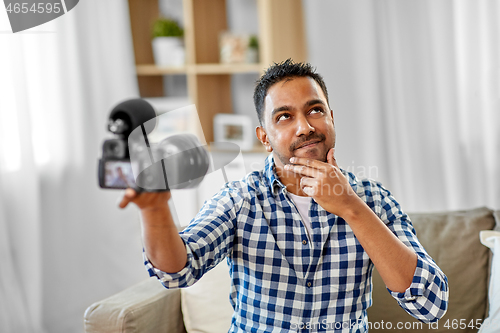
271 176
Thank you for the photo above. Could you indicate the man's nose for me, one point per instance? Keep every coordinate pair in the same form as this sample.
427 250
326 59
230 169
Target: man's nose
303 127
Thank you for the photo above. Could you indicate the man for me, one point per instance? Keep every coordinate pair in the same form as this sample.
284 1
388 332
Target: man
301 236
120 180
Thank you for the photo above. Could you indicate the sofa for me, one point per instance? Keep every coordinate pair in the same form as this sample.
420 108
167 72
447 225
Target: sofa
451 238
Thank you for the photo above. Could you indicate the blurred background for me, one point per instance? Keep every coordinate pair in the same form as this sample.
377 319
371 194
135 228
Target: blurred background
414 85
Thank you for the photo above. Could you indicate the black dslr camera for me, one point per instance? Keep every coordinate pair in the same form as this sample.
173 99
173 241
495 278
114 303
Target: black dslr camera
130 160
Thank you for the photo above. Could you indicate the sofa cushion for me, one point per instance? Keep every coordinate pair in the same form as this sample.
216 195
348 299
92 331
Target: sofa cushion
146 307
452 240
205 305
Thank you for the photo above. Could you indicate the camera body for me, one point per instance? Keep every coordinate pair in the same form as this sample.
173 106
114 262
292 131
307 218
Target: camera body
130 160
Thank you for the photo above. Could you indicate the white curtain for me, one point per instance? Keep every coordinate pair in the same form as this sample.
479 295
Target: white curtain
416 92
63 242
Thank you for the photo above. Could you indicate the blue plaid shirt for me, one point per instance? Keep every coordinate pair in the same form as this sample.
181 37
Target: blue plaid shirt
284 279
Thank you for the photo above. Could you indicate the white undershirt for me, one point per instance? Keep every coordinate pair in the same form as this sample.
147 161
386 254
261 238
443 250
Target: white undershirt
302 204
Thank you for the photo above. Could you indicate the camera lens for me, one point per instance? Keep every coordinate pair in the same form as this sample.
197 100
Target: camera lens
117 126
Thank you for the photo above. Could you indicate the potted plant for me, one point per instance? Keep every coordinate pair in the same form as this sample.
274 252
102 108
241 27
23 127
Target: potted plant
253 50
168 47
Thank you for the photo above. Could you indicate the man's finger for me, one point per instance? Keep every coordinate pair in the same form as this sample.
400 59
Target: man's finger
128 196
309 191
302 170
310 182
123 202
131 193
307 162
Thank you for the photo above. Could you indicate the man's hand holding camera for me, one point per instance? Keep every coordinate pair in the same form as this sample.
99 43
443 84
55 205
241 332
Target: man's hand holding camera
148 201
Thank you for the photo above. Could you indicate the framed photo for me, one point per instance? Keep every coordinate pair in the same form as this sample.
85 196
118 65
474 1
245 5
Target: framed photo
234 128
233 48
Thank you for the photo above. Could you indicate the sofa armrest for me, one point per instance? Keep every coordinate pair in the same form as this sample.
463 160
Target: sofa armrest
144 307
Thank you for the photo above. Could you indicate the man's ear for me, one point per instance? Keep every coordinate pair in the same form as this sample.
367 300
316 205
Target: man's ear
262 136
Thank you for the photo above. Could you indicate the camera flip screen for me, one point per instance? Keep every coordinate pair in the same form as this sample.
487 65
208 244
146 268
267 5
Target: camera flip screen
118 174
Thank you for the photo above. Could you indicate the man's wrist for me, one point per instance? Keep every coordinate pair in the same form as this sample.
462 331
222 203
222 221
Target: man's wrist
157 217
355 211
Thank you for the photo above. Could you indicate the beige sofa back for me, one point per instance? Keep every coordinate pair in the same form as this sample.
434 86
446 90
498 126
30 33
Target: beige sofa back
452 239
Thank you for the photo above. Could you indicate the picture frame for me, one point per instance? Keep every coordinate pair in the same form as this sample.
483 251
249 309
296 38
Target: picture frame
233 47
235 129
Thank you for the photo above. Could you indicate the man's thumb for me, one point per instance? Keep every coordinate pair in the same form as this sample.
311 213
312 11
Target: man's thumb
127 197
331 157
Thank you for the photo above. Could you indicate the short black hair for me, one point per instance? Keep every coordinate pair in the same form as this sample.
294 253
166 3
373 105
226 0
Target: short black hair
278 72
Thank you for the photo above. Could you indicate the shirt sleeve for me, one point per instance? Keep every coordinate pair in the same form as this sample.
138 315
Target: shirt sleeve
427 297
208 240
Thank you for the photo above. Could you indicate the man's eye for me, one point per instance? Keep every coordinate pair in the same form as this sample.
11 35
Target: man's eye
283 116
316 110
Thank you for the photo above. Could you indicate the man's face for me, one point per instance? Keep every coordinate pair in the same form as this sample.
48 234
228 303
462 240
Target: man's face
297 121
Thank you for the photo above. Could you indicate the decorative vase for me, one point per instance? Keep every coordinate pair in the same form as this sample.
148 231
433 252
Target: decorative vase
168 51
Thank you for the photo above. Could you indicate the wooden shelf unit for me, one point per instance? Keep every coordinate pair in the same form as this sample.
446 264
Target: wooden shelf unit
281 36
153 70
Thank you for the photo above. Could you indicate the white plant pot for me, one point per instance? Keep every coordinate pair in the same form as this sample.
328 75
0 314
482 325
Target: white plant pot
168 51
252 56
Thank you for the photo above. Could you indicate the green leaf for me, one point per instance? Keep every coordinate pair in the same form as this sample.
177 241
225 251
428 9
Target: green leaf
164 27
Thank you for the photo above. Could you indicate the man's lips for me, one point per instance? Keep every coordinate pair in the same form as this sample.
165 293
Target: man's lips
310 141
308 144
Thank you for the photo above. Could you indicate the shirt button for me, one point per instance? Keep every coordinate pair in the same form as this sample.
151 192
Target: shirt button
304 242
309 284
